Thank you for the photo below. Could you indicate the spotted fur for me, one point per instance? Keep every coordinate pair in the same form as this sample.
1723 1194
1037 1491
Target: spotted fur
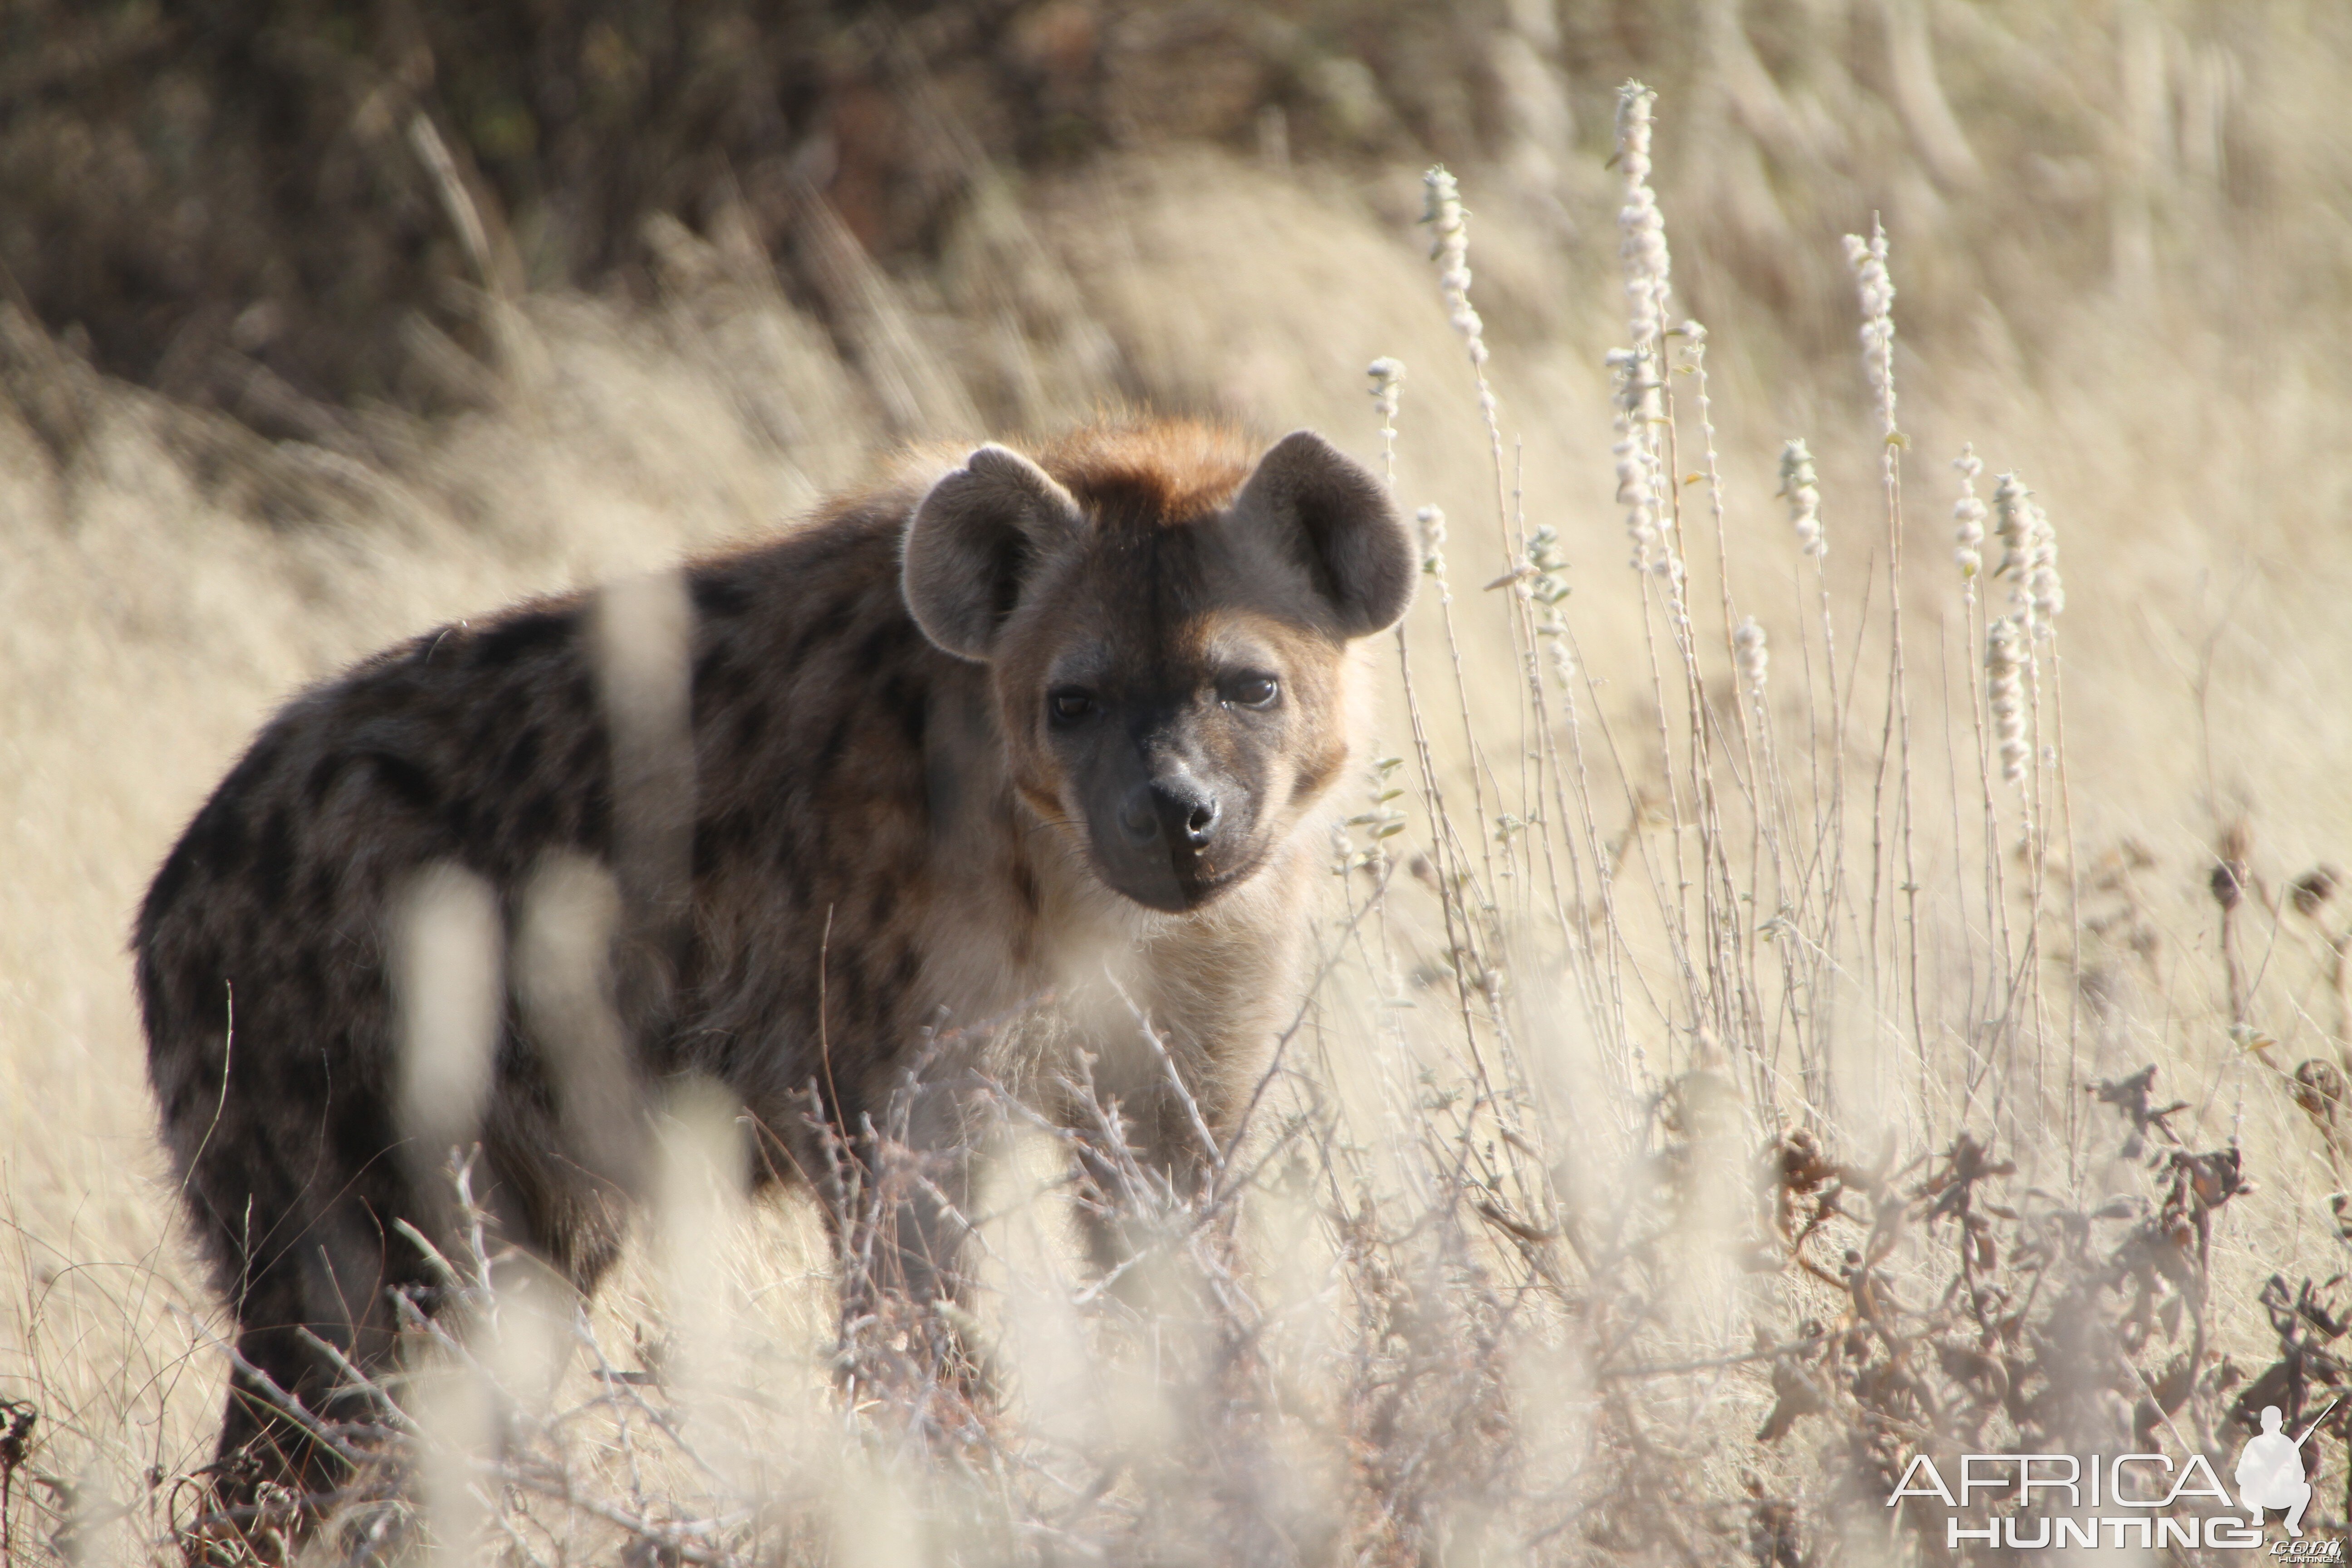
881 819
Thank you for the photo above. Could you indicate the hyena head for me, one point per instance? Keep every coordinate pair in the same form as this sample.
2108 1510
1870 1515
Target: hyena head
1167 628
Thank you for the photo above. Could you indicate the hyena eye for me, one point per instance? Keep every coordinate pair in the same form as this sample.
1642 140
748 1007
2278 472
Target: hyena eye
1254 691
1070 705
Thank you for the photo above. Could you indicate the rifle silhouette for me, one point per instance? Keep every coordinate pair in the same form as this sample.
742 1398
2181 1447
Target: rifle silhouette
2317 1419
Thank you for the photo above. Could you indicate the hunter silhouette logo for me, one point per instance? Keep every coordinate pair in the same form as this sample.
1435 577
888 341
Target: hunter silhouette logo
2269 1470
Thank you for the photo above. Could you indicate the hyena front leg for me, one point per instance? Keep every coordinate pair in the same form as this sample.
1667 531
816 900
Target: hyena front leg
1153 1119
895 1185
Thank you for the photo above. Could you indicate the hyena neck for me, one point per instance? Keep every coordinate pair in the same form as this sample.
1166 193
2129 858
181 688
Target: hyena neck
1023 914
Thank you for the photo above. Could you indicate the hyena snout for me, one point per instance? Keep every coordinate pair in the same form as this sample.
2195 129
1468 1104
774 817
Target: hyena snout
1178 810
1171 838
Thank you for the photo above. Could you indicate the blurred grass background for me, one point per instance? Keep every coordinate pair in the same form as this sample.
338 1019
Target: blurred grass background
321 322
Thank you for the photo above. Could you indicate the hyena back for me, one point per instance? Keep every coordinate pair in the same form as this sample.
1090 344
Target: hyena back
1038 738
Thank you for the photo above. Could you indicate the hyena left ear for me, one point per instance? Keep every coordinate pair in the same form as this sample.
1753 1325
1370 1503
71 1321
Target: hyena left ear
1334 519
971 543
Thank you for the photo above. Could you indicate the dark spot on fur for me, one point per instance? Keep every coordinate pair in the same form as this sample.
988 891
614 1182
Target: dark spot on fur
322 778
722 840
828 756
823 629
202 988
718 593
878 642
355 1121
942 788
850 985
273 862
218 836
169 884
596 817
751 727
523 756
719 679
409 782
539 820
521 636
903 699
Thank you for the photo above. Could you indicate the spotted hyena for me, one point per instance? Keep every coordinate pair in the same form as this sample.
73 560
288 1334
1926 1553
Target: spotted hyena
1011 737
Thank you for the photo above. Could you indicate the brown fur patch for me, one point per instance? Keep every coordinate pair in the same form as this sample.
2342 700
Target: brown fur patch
1161 473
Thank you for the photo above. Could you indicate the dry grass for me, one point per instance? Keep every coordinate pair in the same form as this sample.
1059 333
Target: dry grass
1708 1102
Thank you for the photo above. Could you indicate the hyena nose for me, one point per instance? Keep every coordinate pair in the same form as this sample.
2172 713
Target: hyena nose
1178 808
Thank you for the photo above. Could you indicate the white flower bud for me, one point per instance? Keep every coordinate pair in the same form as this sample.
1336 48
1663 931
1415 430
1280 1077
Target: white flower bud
2006 652
1388 383
1753 657
1798 488
1433 541
1969 519
1877 287
1641 230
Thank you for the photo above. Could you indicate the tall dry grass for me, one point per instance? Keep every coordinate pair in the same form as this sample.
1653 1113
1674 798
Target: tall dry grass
1724 1077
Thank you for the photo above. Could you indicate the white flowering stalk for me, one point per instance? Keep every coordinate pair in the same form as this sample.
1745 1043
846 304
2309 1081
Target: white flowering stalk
1641 231
1388 391
1638 373
2011 525
1451 251
2044 588
1968 521
1640 483
2005 654
1800 488
1749 649
1433 542
2029 556
1876 285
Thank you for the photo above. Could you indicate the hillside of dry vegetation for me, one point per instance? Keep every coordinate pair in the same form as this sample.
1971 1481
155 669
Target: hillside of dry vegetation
1579 1236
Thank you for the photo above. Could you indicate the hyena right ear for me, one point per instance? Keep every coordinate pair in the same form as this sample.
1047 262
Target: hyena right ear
971 543
1335 520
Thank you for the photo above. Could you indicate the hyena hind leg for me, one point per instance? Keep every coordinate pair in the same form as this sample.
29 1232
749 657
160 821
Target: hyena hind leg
308 1312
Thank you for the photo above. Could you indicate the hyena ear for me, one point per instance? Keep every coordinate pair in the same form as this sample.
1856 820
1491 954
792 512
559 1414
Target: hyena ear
1331 516
971 543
